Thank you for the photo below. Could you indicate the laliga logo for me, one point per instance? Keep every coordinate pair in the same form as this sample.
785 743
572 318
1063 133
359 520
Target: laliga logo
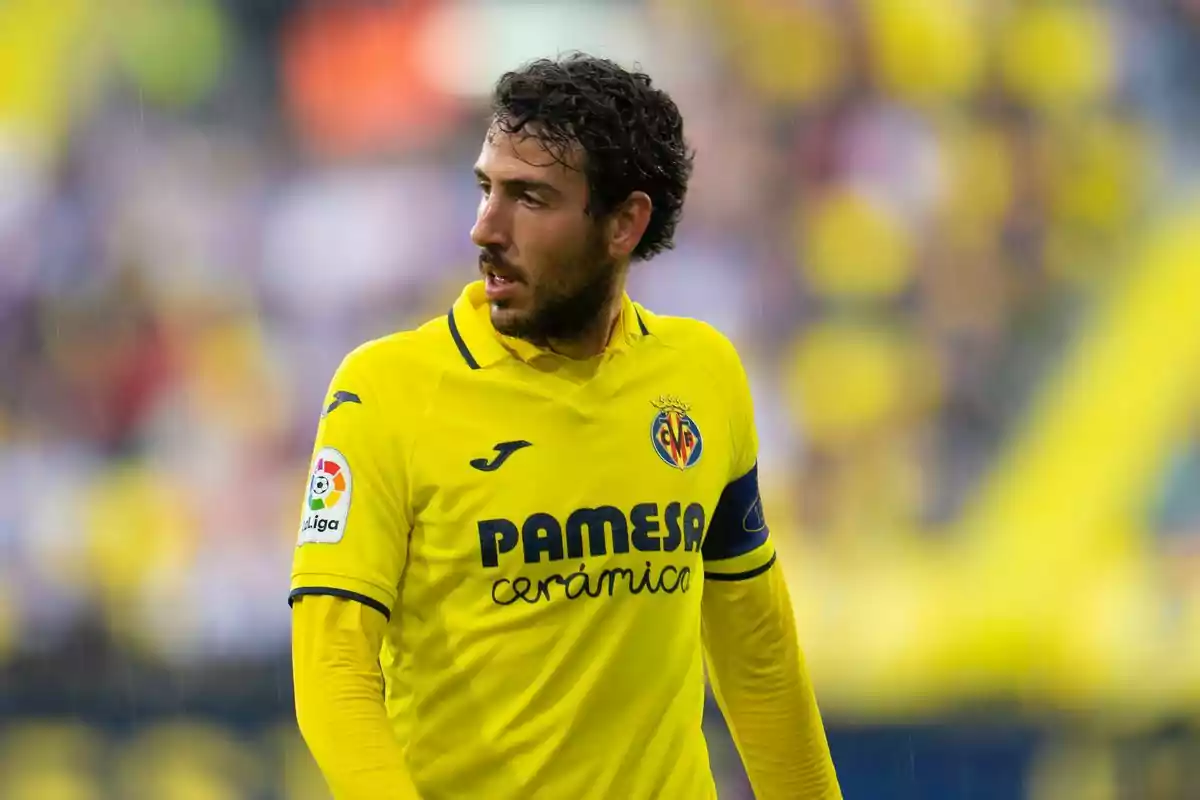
327 485
328 499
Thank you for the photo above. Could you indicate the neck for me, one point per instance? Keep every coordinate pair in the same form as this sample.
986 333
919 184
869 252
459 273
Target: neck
596 337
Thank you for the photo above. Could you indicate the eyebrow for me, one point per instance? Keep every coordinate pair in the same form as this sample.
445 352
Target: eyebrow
519 183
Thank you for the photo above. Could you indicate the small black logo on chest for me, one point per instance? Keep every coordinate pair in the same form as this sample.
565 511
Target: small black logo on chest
503 451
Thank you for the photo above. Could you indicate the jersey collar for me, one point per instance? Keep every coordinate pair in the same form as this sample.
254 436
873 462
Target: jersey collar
482 346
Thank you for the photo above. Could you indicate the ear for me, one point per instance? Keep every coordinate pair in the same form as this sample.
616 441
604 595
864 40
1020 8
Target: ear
627 224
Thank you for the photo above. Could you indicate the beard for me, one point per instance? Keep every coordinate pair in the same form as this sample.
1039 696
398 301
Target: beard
565 311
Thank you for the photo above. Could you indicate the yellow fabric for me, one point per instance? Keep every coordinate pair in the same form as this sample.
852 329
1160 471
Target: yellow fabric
762 685
545 629
370 562
338 691
739 565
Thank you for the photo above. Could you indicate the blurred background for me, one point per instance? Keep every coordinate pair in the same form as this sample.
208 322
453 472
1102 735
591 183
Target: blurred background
957 242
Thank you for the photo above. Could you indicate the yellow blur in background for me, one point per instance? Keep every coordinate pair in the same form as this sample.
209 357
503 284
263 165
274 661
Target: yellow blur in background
957 243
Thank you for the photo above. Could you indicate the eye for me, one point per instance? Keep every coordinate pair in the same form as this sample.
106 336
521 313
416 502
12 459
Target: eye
531 200
485 188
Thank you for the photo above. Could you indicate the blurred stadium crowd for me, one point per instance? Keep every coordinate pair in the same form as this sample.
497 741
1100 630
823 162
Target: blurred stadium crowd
951 240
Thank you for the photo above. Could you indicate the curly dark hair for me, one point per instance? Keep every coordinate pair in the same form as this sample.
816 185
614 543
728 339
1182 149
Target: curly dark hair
631 134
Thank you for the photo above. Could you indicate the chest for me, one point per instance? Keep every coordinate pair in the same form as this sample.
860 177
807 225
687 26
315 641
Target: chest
518 486
501 448
531 477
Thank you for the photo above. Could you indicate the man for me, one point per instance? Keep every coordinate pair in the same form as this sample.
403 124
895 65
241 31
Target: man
529 520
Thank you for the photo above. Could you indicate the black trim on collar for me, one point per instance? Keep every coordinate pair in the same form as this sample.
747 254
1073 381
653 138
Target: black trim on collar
458 340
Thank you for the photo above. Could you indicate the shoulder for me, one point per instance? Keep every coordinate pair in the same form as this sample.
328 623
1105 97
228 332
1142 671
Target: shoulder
694 338
408 363
427 348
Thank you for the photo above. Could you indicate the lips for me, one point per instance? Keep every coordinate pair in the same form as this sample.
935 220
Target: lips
497 269
500 280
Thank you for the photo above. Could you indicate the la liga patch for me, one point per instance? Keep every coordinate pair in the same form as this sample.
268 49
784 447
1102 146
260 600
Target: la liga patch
327 502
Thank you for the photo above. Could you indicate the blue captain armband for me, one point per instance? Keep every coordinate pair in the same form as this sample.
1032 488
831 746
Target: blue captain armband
738 545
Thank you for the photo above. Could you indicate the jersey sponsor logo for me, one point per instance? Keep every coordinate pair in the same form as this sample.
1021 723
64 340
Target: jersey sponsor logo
675 435
327 503
581 584
503 451
593 532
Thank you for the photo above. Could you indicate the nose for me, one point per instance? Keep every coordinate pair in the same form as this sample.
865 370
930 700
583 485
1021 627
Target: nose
491 227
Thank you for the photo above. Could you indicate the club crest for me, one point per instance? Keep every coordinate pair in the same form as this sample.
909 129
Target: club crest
675 435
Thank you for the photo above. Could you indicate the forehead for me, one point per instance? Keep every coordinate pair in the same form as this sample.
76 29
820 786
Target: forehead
522 156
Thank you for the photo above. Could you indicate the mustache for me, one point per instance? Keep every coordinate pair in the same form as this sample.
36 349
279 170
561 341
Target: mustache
489 258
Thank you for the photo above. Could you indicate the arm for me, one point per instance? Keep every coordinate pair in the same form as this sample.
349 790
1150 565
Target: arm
352 550
762 686
752 649
335 647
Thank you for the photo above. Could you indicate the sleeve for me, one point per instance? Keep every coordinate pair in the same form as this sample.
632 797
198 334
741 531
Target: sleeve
737 545
339 705
762 686
355 520
751 644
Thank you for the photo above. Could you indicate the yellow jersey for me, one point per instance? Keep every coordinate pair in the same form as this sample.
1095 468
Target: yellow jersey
539 531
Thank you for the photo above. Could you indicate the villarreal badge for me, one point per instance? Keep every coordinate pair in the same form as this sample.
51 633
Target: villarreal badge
675 435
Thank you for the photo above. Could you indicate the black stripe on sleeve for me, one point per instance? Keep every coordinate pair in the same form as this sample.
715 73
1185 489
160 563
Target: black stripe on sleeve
458 340
741 576
370 602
